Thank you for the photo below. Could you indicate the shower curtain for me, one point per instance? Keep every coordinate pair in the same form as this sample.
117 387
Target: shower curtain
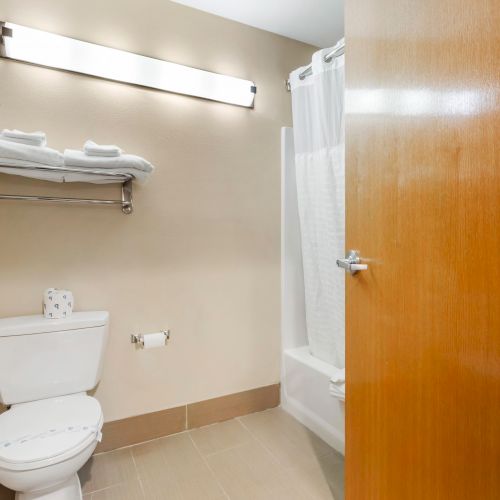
318 124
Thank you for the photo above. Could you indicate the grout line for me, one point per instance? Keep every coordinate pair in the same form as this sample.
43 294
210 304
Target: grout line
209 468
263 444
142 489
139 444
91 493
234 447
254 436
230 448
114 485
135 464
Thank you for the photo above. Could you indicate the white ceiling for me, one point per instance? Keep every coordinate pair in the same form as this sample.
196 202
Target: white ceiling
318 22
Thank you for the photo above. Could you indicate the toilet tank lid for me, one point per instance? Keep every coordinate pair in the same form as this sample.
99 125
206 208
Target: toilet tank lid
32 325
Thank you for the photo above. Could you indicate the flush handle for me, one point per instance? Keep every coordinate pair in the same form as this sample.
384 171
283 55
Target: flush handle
352 262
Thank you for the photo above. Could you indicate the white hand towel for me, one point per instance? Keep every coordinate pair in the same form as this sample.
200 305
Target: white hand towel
27 138
337 384
28 155
39 144
92 149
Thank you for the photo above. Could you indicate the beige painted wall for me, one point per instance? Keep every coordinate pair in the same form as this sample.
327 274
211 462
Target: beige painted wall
200 255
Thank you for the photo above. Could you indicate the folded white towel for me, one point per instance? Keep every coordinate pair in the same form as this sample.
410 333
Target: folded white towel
24 135
33 155
38 144
128 164
92 149
27 138
337 384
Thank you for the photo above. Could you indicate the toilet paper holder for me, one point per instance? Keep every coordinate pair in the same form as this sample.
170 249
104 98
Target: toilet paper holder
139 338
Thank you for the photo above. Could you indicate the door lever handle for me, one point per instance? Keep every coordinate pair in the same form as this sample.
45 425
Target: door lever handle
348 266
352 263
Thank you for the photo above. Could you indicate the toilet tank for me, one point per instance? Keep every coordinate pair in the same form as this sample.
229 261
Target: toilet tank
43 358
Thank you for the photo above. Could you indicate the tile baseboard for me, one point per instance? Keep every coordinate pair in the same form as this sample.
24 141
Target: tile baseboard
234 405
134 430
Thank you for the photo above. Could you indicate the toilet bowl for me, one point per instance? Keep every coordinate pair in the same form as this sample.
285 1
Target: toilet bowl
52 426
44 443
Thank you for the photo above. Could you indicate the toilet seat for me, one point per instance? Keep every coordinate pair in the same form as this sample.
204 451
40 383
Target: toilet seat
41 433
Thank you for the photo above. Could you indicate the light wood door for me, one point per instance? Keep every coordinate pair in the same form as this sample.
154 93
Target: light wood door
423 205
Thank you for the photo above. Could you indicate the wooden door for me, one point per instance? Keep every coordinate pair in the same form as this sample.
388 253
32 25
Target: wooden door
423 209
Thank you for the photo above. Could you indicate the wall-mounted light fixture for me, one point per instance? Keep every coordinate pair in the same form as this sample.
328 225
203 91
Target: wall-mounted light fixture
60 52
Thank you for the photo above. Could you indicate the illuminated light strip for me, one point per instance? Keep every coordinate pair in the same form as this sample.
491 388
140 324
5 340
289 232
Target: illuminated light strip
60 52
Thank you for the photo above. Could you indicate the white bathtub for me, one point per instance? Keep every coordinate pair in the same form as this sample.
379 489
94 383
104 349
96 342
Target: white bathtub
304 378
305 395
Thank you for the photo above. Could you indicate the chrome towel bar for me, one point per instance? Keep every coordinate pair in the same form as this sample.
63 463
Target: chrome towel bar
126 185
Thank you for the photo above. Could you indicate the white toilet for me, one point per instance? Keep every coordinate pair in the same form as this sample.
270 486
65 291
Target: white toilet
52 426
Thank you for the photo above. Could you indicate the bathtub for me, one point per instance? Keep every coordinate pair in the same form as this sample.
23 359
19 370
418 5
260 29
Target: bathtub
304 378
305 395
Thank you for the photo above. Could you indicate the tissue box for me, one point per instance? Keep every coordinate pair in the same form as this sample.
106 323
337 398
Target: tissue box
57 303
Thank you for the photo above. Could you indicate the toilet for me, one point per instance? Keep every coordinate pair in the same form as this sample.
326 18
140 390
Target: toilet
52 426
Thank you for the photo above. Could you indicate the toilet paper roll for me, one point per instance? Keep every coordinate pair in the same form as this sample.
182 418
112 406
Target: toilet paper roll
57 303
151 340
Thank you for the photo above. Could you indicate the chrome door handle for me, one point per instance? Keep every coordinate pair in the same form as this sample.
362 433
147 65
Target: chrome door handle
352 262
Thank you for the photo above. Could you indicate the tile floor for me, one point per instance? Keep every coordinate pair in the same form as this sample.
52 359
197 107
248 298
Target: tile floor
262 456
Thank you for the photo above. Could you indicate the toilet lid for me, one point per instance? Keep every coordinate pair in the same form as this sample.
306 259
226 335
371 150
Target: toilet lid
33 433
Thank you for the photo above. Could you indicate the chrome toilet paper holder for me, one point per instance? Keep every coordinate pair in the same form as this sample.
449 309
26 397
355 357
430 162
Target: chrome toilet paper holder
139 338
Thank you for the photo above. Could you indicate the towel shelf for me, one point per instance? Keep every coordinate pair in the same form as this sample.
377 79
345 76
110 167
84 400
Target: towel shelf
125 180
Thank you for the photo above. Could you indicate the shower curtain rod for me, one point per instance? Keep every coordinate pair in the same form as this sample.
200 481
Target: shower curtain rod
336 52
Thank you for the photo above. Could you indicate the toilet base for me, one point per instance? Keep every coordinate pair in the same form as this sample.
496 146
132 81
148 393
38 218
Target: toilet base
69 490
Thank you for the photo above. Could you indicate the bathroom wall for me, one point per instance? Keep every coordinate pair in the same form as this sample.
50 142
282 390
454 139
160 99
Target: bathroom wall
201 253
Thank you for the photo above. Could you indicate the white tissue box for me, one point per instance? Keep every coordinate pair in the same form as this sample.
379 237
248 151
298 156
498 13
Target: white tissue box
57 303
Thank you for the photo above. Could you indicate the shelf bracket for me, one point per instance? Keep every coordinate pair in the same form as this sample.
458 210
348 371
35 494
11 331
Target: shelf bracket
127 204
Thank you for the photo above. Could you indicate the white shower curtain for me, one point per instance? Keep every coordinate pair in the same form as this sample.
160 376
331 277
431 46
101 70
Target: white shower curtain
318 123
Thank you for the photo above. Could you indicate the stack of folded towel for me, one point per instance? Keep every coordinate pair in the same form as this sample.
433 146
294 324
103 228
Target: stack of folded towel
29 150
21 149
107 159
